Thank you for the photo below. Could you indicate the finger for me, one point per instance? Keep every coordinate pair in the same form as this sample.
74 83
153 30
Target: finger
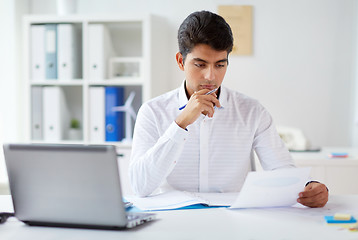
211 91
202 91
312 199
216 102
202 104
313 204
312 190
213 100
204 99
208 108
318 201
205 93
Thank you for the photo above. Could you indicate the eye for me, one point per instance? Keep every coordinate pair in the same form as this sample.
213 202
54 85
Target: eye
221 64
200 65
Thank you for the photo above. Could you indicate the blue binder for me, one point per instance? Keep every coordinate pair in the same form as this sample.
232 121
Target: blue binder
114 120
51 50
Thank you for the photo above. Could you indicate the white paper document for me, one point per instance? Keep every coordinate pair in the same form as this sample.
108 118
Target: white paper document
277 188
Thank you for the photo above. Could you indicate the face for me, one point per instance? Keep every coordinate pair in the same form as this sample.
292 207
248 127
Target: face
204 68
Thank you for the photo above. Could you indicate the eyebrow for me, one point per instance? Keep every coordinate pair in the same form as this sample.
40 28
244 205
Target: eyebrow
202 60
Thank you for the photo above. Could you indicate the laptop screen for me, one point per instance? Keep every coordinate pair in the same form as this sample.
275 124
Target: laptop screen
72 184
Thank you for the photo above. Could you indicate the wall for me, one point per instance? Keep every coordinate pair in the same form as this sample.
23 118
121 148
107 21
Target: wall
355 105
304 64
7 79
11 92
8 83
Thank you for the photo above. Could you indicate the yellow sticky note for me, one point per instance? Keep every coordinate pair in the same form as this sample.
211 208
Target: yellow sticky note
342 216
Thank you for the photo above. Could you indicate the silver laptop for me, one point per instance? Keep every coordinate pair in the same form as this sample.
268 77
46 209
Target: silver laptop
68 186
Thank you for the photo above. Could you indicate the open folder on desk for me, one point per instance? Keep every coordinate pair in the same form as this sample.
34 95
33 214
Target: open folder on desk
182 200
278 188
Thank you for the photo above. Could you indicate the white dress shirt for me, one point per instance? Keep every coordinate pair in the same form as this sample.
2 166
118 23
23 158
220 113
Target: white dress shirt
212 155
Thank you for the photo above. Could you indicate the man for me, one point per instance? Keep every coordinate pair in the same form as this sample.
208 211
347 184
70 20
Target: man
200 137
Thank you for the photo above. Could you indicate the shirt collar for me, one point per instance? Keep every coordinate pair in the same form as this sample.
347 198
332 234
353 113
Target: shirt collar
182 95
183 100
223 96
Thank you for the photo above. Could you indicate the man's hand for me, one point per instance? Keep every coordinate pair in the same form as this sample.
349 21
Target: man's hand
314 195
199 103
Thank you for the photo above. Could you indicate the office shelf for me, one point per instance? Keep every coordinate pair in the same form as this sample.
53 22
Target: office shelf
134 40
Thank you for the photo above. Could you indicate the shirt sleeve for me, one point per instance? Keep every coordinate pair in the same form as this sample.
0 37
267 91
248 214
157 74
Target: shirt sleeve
153 156
268 145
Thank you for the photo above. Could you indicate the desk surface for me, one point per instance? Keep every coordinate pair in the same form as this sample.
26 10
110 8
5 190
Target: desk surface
214 223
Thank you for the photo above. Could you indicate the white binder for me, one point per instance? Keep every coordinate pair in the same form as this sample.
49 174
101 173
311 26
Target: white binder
36 113
38 55
68 52
55 114
97 114
100 50
51 51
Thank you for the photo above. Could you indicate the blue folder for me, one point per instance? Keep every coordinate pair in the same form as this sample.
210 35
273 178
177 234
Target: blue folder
114 120
194 206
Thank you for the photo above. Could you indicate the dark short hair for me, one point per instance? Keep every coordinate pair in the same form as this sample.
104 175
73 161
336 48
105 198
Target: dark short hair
204 27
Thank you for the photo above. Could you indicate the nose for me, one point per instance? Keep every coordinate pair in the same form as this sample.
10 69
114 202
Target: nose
210 73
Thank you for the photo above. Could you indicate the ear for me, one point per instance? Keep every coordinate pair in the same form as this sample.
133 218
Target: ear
180 60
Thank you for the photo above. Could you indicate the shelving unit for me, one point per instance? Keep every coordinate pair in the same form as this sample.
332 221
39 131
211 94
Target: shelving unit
132 48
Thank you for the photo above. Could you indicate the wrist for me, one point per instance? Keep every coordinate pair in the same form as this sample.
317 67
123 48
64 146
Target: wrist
311 182
183 126
181 123
316 182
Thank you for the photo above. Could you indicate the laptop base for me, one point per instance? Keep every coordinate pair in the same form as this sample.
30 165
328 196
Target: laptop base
135 220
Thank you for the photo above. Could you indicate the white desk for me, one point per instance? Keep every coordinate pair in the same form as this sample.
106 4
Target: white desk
215 223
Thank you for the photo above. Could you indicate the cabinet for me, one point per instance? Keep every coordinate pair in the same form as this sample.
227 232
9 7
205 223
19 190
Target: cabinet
338 174
104 51
123 164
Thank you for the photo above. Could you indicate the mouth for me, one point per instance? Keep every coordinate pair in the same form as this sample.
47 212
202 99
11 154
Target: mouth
208 86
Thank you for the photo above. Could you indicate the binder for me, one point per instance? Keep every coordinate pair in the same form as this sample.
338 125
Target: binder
51 50
36 113
100 50
68 53
114 119
55 114
97 114
38 71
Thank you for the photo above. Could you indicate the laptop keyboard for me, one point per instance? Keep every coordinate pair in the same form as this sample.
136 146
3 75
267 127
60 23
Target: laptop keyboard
135 219
132 217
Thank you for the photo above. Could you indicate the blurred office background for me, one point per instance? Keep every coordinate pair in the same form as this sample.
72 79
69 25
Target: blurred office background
303 69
